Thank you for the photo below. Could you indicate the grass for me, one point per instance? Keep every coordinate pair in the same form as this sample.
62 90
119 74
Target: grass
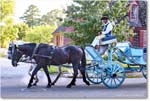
2 55
54 69
136 76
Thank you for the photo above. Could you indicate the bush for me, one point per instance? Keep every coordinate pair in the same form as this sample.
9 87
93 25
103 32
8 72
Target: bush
7 34
22 30
2 55
40 34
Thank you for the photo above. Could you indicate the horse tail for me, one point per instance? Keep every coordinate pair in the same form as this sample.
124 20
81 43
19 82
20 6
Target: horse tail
83 59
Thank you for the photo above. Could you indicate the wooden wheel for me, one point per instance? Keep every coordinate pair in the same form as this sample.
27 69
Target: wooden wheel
113 75
93 74
144 71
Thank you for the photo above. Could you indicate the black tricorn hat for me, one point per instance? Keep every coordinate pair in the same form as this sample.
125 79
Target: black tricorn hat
105 18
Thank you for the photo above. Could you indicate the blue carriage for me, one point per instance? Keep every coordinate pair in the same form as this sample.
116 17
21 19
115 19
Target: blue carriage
109 72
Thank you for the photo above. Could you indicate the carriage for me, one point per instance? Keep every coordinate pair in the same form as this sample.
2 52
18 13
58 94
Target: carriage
110 71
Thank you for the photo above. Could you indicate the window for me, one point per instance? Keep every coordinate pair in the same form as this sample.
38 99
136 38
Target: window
134 13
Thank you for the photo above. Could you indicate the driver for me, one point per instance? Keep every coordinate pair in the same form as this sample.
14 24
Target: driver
107 31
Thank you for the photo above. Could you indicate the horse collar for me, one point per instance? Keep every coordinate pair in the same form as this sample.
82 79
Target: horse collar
37 45
53 49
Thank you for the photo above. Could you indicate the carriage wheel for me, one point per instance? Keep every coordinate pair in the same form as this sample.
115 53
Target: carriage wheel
93 74
144 71
113 75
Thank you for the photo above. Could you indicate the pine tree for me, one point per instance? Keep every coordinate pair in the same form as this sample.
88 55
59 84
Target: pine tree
52 18
31 16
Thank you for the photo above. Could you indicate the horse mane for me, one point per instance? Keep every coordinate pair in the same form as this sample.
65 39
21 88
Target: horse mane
27 47
30 44
42 45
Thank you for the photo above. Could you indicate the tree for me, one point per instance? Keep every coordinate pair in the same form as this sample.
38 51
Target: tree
6 8
52 18
118 13
40 34
22 30
31 16
85 16
7 31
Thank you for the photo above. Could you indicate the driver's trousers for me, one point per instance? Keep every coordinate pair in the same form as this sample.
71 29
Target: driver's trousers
97 39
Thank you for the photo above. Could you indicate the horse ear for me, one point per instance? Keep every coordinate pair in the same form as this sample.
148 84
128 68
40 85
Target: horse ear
15 46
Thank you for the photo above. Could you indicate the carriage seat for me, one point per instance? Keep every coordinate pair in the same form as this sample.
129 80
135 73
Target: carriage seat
108 40
133 55
94 54
136 54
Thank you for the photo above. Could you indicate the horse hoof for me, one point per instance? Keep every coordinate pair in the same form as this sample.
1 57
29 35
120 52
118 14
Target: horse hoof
87 83
74 84
29 86
35 84
48 86
69 86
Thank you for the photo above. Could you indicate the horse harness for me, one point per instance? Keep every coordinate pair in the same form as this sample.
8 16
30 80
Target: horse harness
44 56
32 60
50 55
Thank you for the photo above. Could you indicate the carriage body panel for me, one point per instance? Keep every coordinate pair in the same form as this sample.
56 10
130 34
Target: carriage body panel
112 73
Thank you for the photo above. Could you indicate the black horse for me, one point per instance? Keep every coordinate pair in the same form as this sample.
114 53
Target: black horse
46 55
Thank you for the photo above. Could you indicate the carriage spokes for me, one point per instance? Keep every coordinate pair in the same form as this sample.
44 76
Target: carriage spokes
112 74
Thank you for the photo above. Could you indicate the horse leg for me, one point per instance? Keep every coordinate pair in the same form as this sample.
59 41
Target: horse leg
59 69
75 69
48 77
82 70
36 80
32 76
35 77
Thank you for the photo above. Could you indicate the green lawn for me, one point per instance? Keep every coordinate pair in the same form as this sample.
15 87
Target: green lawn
2 55
54 69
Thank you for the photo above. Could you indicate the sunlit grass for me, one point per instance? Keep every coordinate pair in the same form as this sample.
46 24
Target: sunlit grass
2 55
54 69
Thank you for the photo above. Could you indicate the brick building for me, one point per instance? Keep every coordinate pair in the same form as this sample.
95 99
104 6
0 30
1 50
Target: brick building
137 19
59 38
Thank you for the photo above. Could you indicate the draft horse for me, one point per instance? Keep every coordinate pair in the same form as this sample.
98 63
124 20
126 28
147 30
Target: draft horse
45 55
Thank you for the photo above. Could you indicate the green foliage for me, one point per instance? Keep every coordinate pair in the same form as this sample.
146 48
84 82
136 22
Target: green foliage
7 31
7 34
52 18
85 16
85 31
118 14
6 8
31 16
40 34
22 30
